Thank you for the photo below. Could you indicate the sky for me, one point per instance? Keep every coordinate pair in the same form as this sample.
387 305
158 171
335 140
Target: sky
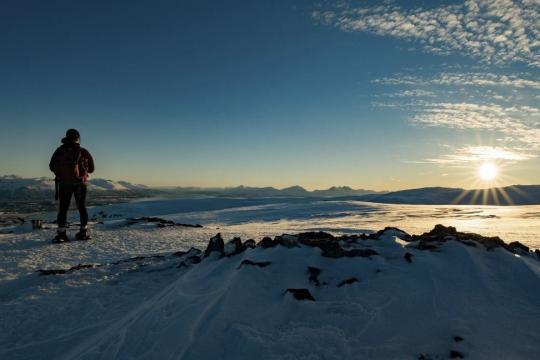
379 95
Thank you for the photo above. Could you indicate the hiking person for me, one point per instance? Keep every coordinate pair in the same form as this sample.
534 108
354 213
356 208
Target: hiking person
71 165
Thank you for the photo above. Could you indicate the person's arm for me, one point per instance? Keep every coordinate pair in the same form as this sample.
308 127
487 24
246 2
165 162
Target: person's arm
53 160
91 166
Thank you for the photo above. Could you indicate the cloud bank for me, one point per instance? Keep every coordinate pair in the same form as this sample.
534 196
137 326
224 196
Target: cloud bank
493 31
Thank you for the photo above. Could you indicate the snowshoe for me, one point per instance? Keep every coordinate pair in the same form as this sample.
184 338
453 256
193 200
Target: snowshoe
82 235
60 238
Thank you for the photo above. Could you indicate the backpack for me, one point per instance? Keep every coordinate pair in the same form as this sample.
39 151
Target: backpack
68 165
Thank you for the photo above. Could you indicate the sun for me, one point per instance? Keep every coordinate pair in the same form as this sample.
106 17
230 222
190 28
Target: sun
488 171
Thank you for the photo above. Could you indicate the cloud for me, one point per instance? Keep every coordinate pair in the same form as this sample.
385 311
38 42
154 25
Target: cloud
466 79
473 154
493 31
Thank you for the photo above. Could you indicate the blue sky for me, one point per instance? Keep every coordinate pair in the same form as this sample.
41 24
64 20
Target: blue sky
208 93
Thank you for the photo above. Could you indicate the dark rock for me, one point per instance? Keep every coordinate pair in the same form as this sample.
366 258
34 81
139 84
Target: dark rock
215 244
194 259
331 249
234 247
267 242
288 241
348 281
314 275
301 294
408 256
537 252
456 355
193 251
160 222
314 236
254 263
458 339
441 233
396 231
516 246
468 243
360 253
52 272
250 243
423 245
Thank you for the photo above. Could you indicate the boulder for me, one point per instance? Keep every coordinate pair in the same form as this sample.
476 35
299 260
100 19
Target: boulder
314 275
267 242
254 263
408 257
215 244
516 246
250 243
234 247
301 294
348 281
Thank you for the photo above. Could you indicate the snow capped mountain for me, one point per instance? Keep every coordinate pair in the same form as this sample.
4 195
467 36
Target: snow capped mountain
15 185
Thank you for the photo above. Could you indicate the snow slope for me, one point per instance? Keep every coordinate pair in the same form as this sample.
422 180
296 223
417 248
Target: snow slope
454 299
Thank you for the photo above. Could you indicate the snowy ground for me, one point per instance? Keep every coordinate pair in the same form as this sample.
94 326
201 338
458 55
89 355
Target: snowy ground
149 308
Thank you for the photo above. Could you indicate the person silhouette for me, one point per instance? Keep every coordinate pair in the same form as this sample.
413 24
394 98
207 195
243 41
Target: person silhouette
71 165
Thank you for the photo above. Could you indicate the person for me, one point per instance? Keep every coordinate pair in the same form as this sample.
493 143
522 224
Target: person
71 165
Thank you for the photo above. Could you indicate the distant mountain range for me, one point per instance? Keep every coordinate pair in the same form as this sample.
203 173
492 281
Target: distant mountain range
293 191
20 189
14 187
509 195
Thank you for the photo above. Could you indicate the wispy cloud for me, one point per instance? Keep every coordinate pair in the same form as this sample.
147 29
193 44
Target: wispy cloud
518 81
474 154
494 31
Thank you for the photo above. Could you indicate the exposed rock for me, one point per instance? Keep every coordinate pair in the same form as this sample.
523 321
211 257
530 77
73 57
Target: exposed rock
234 247
458 339
301 294
250 243
160 222
254 263
516 246
308 238
537 252
348 281
456 355
423 245
468 243
408 256
267 242
314 275
52 272
441 233
289 241
392 231
360 253
193 251
215 244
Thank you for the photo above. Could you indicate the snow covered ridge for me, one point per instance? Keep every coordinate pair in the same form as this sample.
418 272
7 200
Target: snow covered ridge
11 184
388 295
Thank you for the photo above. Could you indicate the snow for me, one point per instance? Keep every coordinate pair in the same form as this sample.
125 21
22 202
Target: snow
150 308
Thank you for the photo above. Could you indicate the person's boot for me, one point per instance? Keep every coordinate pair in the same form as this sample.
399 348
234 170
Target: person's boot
83 234
61 236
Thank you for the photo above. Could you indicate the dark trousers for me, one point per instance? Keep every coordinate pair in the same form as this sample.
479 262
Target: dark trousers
65 190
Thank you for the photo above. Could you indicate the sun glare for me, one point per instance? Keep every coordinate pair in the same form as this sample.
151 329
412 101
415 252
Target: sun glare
488 171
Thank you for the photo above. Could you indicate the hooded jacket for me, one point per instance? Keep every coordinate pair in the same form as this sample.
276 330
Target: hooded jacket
86 162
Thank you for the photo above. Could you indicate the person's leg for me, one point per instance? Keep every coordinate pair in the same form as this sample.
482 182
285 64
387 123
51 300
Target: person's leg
64 195
80 199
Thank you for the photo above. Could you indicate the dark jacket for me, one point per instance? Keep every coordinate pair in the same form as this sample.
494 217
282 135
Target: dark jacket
86 163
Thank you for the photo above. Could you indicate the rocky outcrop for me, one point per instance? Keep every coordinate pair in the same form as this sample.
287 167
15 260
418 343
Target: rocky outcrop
159 221
440 234
215 244
301 294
